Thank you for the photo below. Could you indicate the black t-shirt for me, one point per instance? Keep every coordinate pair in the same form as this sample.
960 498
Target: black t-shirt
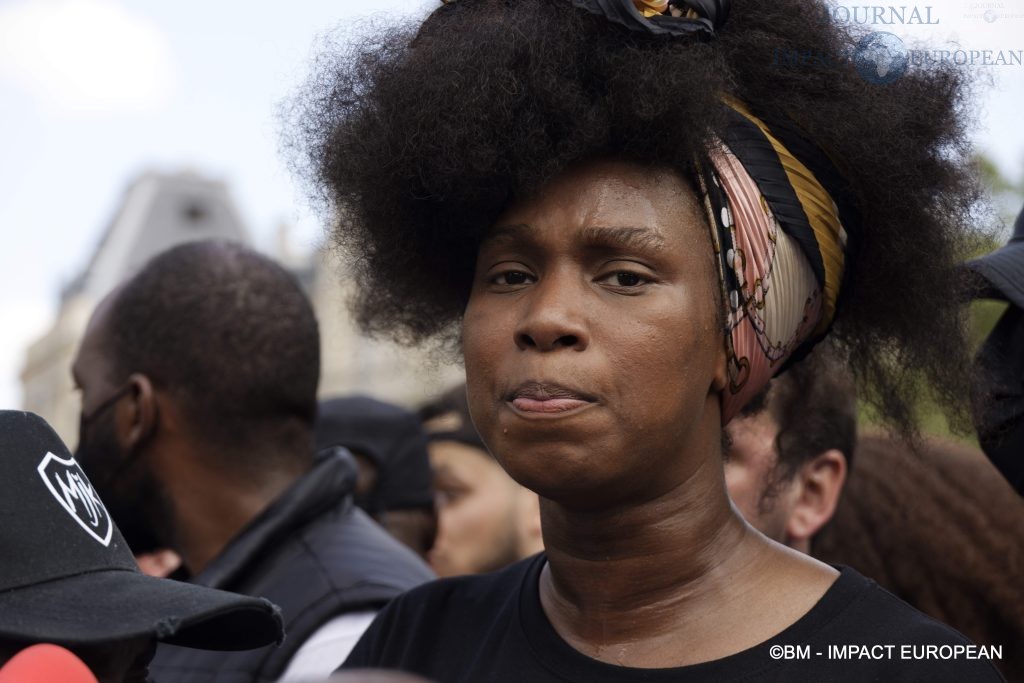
492 628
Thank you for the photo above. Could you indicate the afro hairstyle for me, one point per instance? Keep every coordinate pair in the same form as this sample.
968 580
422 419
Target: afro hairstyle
415 137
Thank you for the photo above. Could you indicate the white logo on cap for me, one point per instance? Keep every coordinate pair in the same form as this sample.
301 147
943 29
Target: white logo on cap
69 485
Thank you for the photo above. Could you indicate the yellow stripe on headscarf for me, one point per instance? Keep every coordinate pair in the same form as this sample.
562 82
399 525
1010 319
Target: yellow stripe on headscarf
821 213
649 8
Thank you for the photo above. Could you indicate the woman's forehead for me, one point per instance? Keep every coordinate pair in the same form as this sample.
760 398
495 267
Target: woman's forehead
606 204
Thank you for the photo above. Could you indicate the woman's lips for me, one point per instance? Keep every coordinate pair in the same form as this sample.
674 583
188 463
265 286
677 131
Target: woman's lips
547 398
550 405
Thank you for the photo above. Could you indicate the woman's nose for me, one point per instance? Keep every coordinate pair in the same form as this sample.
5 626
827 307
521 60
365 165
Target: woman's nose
554 315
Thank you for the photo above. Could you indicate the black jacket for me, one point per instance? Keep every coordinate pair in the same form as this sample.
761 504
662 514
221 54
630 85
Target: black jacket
999 397
313 553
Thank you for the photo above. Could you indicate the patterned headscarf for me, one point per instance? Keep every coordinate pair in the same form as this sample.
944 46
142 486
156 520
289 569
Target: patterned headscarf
782 250
662 17
782 218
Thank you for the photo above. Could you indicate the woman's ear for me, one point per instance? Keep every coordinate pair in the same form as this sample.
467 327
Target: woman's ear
721 377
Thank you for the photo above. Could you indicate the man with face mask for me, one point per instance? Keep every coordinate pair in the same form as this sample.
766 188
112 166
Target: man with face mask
198 381
98 448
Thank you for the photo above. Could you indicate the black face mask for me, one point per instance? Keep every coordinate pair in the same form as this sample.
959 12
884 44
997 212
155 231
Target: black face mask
100 455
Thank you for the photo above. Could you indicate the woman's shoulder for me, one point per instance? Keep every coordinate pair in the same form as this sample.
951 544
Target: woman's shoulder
873 612
471 592
438 618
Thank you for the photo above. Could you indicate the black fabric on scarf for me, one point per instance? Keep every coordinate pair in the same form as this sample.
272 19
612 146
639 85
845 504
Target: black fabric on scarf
760 160
713 15
825 171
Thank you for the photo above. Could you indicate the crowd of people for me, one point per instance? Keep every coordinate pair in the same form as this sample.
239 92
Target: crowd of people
674 270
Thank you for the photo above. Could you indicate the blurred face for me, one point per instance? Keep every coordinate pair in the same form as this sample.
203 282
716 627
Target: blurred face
415 528
593 353
750 474
480 510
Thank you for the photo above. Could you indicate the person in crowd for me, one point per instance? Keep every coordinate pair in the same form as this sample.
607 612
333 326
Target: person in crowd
788 451
788 460
394 482
999 364
631 218
68 578
198 379
941 529
486 520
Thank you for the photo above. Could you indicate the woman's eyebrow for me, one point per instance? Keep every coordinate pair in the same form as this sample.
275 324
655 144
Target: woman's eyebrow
643 239
599 237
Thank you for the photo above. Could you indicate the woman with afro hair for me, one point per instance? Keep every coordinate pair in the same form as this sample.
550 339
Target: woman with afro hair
629 215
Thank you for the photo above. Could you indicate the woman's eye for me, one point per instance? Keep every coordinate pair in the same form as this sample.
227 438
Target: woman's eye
625 278
511 277
628 279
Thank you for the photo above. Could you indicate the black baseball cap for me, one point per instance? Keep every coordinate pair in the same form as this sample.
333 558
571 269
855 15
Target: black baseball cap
1000 275
391 437
67 576
447 419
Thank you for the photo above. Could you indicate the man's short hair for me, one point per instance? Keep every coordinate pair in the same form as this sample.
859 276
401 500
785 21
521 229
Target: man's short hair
814 405
229 332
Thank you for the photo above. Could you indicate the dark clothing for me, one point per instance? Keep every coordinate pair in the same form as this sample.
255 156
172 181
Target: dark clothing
999 366
1000 396
313 553
492 628
392 438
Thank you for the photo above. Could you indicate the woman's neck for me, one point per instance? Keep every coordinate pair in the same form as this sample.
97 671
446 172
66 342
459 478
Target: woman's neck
667 582
616 561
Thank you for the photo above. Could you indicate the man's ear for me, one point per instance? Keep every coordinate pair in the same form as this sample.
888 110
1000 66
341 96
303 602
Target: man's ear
139 416
819 482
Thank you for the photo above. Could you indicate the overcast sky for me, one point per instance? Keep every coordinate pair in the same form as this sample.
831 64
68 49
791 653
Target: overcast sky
93 92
